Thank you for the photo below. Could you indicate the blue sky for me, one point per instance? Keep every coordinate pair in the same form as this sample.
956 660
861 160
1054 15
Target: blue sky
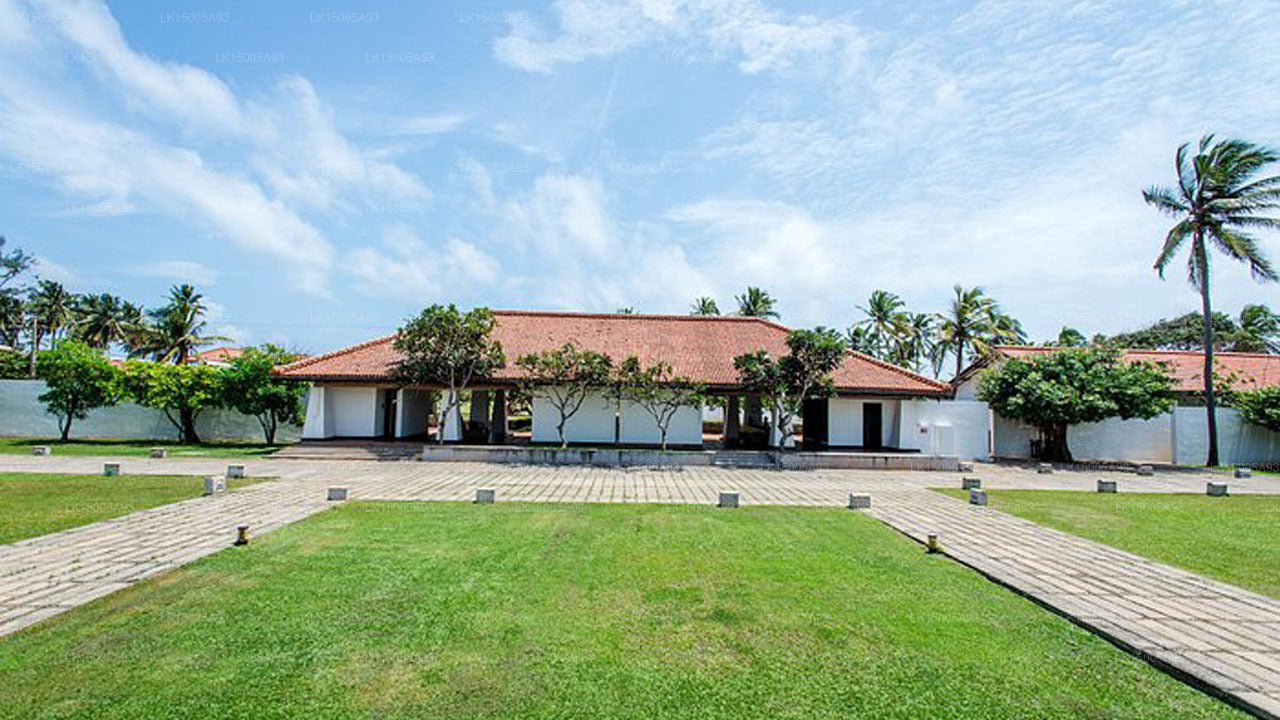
321 171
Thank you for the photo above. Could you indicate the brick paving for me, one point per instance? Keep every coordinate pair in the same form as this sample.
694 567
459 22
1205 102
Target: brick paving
1222 638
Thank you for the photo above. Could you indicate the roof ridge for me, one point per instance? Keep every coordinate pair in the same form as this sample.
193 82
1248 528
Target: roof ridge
689 317
308 361
1160 351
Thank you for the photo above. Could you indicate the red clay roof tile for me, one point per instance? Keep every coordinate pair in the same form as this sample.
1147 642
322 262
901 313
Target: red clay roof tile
1187 366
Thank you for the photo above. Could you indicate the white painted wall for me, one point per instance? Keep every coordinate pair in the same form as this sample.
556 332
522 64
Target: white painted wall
968 390
946 427
1239 443
23 415
637 427
593 423
1013 438
352 411
844 421
412 410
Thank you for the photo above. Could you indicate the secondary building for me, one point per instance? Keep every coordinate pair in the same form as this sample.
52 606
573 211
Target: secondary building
1178 437
877 406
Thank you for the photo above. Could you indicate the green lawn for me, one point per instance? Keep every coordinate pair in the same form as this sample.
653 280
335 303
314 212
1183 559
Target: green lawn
1235 539
452 610
137 448
34 504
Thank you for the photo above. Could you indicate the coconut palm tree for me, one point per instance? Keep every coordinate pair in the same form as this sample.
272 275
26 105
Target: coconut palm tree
1218 198
101 320
756 303
177 327
1259 329
859 340
50 310
704 306
973 324
885 322
916 343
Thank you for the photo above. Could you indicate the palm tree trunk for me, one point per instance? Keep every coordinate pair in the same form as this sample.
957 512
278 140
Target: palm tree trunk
1210 402
959 360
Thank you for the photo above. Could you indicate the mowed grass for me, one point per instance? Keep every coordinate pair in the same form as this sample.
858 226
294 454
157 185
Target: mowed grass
451 610
34 504
137 448
1234 539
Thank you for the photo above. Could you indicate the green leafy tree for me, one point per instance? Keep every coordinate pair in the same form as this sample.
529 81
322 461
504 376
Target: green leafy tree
784 383
859 340
79 379
756 303
1054 391
1260 407
1218 199
249 387
177 329
704 306
657 390
12 318
565 377
445 347
13 365
1185 332
1069 337
13 263
181 392
1259 330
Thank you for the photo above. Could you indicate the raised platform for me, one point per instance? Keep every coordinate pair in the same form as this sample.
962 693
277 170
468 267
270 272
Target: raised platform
625 457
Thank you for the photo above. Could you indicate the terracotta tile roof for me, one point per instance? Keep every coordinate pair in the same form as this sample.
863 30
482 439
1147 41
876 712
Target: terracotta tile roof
701 347
222 354
1187 366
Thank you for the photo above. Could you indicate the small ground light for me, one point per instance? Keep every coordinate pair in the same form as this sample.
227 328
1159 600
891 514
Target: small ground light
931 544
242 535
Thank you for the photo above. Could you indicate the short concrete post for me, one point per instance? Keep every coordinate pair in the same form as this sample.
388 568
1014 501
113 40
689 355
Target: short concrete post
159 452
242 535
214 484
1106 486
931 544
1146 470
971 484
978 497
1243 473
41 450
110 469
484 496
1216 489
859 502
965 467
235 471
337 493
1045 468
728 500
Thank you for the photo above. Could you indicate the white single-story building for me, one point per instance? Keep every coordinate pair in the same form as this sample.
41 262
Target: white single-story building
1178 437
877 406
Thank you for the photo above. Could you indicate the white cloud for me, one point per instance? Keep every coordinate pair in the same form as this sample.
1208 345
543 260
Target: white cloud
757 38
564 216
408 268
185 271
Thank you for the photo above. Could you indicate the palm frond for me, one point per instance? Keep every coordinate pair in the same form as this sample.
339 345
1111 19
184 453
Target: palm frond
1173 241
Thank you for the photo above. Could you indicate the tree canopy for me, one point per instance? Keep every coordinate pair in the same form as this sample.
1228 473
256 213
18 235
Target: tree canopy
248 386
565 377
1260 407
784 383
658 391
78 379
180 391
1053 391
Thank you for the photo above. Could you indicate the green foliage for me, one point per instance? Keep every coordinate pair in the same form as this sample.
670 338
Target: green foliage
1053 391
13 365
565 376
1260 407
443 346
13 263
657 390
79 379
1070 337
248 386
784 383
704 306
180 391
973 326
12 318
756 303
1186 332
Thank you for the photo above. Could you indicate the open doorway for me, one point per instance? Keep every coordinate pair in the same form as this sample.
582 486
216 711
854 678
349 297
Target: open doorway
873 426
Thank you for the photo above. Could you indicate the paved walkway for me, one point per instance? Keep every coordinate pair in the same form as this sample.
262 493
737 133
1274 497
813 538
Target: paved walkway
1220 637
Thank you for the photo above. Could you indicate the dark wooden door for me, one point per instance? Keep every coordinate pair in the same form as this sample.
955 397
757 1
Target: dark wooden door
872 426
815 423
389 413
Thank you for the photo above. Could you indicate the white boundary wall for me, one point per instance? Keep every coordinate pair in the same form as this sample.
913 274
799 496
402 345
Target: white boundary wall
955 428
23 415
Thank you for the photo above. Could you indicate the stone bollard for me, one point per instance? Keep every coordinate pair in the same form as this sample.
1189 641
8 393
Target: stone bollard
978 497
485 496
1146 470
41 450
728 500
337 493
214 484
1106 486
964 467
1216 489
159 453
235 471
971 484
1045 468
110 469
931 545
242 535
1243 473
859 502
